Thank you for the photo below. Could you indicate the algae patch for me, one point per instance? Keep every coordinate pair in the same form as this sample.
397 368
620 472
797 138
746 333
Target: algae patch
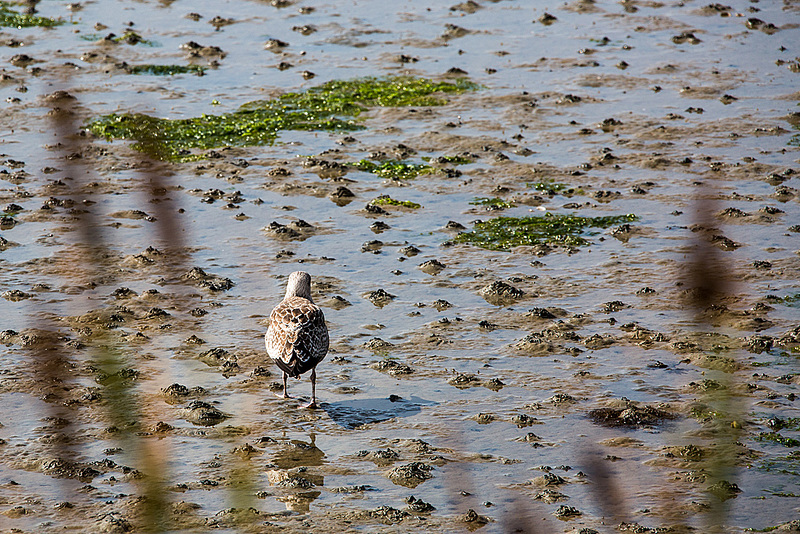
452 160
129 37
792 300
553 188
788 464
492 204
165 70
386 200
333 106
11 19
394 170
505 233
775 437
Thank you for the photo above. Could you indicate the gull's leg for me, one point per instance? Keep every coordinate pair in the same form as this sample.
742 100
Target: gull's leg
285 390
313 403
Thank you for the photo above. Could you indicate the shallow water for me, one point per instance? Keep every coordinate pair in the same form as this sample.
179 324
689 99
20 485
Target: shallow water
527 68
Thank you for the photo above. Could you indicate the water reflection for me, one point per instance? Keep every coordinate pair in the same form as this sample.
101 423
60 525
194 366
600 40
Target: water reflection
291 472
355 413
300 502
295 453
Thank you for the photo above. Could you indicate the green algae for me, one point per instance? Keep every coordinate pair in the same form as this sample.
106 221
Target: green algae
333 106
792 423
453 160
492 203
12 19
776 437
166 70
504 233
386 200
130 37
792 299
765 529
393 169
788 300
553 188
788 464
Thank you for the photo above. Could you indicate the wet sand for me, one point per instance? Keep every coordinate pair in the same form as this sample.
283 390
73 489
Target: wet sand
583 388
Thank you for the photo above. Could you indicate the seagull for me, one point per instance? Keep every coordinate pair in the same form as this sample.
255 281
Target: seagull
297 338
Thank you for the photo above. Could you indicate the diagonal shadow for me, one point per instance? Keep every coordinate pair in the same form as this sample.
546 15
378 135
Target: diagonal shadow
355 413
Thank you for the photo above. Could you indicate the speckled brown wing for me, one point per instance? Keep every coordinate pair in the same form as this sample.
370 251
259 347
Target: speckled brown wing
297 338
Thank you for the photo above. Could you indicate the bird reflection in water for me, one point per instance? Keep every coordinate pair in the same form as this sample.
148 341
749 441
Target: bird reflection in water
293 471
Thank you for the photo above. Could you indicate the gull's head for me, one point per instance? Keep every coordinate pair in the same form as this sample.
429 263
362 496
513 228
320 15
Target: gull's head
299 285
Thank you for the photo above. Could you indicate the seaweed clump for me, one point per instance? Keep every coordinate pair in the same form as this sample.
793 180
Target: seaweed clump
631 416
553 188
333 106
130 37
492 204
393 169
775 437
386 200
11 19
505 233
165 70
451 160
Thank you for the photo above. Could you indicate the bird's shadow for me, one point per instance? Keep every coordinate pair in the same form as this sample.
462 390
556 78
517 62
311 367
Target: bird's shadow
357 412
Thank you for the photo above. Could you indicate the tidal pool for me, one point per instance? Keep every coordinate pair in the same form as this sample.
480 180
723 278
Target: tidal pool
640 375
